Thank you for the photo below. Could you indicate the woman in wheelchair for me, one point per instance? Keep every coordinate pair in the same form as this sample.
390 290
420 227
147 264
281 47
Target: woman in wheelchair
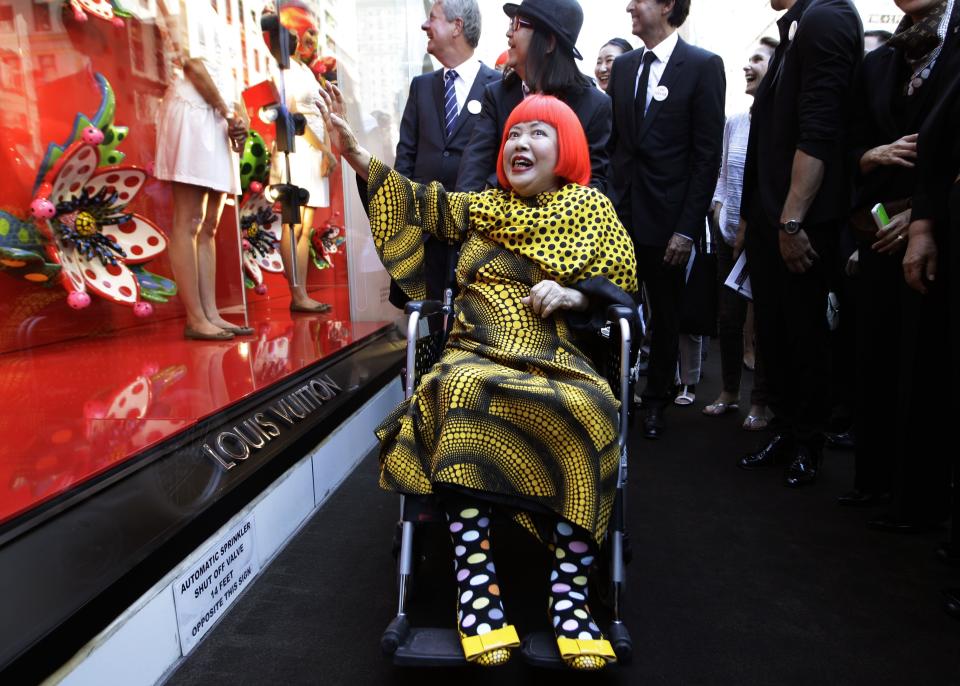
514 415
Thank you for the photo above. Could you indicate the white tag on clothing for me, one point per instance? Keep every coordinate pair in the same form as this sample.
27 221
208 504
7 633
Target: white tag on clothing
474 107
792 32
661 93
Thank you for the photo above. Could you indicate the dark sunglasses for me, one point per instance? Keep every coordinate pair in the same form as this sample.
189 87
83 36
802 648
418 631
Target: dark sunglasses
520 23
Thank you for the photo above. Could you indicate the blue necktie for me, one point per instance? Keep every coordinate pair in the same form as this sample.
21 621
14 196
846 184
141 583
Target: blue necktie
450 101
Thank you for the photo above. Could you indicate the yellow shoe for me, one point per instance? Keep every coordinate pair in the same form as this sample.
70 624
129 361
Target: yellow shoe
492 648
586 655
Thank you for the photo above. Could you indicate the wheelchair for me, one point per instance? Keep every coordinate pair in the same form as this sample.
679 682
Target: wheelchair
440 647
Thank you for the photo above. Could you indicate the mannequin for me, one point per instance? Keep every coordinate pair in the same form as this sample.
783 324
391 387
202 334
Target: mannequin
312 162
202 127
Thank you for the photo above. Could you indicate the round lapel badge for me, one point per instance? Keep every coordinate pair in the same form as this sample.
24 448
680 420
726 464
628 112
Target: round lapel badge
473 107
660 93
793 31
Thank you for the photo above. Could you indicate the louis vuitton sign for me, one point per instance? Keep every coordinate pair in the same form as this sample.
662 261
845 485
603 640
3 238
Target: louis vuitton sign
264 425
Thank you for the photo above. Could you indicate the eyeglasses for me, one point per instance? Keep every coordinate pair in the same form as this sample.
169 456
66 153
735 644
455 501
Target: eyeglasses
520 23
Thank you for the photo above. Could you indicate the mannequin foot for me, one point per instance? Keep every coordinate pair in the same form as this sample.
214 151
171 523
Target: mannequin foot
306 304
204 330
235 329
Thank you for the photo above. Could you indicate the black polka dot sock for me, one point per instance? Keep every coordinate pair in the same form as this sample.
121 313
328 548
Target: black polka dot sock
569 612
479 608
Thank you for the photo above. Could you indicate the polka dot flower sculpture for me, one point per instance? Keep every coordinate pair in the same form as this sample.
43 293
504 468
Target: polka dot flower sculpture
107 10
81 209
260 227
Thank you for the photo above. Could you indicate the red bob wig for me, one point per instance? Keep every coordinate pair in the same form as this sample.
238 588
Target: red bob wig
297 18
573 155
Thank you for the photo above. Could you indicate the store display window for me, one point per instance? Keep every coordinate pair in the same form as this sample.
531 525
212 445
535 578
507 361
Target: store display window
121 123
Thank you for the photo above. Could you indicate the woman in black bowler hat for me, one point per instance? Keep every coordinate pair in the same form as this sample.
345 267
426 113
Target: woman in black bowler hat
542 39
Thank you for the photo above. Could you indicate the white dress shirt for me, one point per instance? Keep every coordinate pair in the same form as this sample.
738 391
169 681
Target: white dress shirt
663 52
466 75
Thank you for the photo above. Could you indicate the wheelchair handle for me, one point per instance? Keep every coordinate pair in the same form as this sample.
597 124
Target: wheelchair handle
618 312
424 307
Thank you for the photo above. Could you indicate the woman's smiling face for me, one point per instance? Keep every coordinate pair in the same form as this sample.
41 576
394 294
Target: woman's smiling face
608 53
530 156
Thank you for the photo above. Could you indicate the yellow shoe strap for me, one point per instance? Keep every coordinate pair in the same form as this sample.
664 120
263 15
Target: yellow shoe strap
505 637
572 647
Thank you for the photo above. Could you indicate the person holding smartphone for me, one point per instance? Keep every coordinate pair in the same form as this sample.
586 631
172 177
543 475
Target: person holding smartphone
897 87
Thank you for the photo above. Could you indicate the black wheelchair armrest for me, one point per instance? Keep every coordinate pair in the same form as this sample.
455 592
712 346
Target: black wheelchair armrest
617 312
424 307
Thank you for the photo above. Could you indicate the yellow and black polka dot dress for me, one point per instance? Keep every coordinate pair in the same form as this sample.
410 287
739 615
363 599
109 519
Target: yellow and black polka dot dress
514 408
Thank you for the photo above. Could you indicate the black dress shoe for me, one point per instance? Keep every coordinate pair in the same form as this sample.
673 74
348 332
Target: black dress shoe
952 604
804 468
653 423
846 440
858 498
892 524
774 451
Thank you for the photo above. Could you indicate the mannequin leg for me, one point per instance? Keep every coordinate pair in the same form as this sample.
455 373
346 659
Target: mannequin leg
298 294
189 210
207 258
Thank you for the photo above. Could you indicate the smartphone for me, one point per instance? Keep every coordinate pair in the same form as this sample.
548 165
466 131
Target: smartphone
880 216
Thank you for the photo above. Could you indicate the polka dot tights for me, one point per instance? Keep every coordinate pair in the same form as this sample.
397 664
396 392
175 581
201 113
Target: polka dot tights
479 608
569 612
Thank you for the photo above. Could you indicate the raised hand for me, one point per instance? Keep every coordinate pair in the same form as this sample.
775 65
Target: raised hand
334 117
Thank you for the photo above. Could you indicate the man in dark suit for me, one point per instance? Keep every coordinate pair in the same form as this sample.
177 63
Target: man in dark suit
439 117
542 48
796 196
665 151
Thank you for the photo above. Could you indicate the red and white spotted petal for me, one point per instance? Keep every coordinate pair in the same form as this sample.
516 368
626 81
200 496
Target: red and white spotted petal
140 239
271 262
71 268
254 204
126 181
275 228
131 402
113 282
73 171
99 8
253 271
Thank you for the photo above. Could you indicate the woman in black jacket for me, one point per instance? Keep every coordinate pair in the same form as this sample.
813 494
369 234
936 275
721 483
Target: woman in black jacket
542 40
932 259
898 86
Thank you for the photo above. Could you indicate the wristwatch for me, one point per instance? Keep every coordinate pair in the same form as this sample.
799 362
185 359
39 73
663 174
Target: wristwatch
791 227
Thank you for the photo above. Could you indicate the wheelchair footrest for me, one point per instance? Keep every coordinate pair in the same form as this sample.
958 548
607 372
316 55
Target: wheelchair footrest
540 650
430 648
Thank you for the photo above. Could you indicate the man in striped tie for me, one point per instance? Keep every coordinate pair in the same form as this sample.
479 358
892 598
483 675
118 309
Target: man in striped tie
439 117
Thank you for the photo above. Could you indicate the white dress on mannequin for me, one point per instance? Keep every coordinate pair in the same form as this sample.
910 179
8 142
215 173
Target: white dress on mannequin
192 142
302 93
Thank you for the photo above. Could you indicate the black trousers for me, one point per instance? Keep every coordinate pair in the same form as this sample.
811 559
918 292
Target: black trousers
664 286
881 298
732 316
792 333
922 464
953 305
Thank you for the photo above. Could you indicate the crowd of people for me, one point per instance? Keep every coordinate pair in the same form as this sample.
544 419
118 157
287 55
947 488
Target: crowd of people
552 195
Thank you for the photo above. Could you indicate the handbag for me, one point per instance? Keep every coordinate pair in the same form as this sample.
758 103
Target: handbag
698 304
